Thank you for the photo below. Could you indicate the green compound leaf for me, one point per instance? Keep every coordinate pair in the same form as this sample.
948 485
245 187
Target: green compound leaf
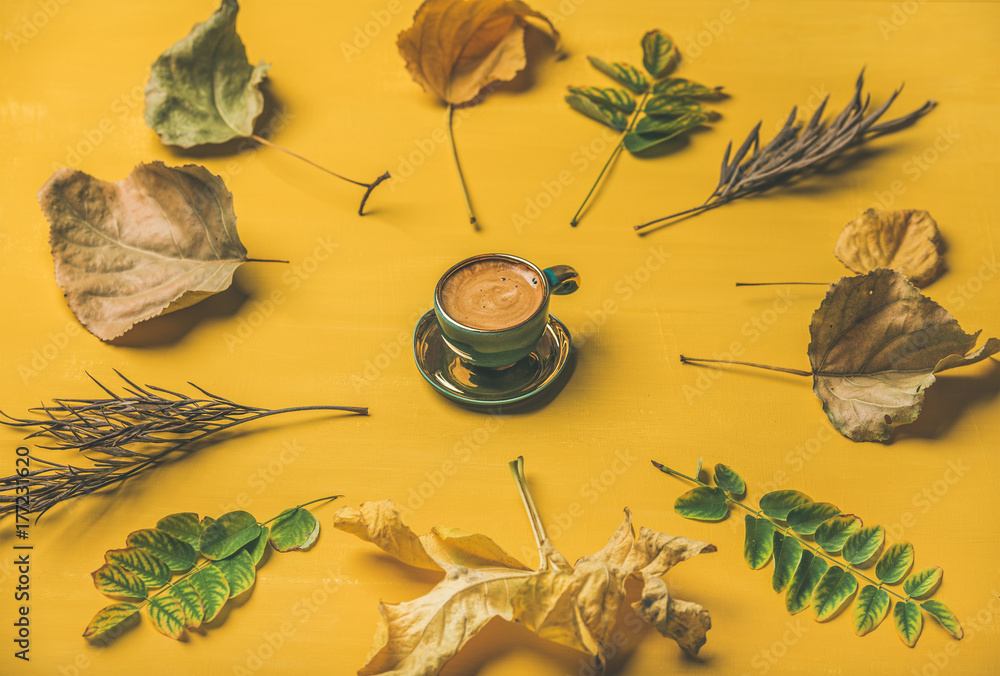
658 54
183 526
293 529
807 575
177 554
607 97
167 616
150 569
871 608
786 561
729 481
652 131
213 589
944 616
615 119
257 547
777 504
863 544
113 580
805 519
227 534
678 87
190 602
703 503
622 73
906 615
895 563
110 617
832 535
203 89
759 542
923 582
239 572
670 106
832 593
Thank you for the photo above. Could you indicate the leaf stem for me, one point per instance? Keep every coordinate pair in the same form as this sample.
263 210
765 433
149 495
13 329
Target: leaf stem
695 360
369 186
264 260
779 283
304 504
458 166
517 471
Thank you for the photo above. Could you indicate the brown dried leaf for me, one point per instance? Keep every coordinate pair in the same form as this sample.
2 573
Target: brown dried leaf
573 605
455 48
877 345
906 240
159 240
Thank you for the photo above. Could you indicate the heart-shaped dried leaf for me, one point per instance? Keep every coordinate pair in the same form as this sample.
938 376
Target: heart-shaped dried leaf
877 345
159 240
203 89
455 48
906 240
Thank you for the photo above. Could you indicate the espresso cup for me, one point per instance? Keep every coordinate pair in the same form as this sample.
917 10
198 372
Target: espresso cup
493 308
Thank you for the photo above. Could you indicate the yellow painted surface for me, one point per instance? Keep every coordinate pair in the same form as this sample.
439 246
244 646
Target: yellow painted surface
334 325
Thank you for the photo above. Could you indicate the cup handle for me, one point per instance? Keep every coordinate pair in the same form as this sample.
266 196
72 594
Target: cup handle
562 279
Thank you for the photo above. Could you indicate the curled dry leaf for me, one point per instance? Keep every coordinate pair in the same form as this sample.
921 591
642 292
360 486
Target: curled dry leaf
906 240
159 240
877 345
455 48
572 605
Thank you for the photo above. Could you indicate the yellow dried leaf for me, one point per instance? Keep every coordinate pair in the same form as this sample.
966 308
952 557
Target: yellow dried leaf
455 48
906 240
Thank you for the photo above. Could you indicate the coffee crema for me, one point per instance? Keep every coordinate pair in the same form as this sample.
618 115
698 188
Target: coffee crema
492 294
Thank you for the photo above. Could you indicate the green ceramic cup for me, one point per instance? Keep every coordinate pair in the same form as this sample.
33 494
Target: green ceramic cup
489 340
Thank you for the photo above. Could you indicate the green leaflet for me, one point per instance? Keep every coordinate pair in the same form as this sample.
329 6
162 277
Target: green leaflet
944 616
807 575
607 97
895 563
239 572
863 544
923 582
658 54
831 535
786 561
110 617
908 620
227 534
203 89
805 519
759 542
177 554
832 593
671 106
113 580
729 481
777 504
150 569
294 528
609 116
659 131
183 526
256 548
870 609
622 73
213 589
680 88
167 615
189 600
703 503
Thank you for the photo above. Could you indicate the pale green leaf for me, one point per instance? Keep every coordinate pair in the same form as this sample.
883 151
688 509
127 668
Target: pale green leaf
190 602
805 519
183 526
213 589
870 609
150 569
227 534
944 616
177 554
678 87
908 620
759 542
923 582
863 544
807 575
239 572
167 615
703 503
256 548
608 116
895 563
110 617
203 89
294 528
114 580
786 561
607 97
832 593
729 481
658 54
622 73
832 535
777 504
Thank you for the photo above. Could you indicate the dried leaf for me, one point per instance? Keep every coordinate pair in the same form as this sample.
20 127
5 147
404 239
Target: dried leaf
455 48
203 89
877 345
906 240
159 240
573 605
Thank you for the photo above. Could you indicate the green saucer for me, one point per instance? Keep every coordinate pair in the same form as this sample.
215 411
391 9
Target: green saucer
479 386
